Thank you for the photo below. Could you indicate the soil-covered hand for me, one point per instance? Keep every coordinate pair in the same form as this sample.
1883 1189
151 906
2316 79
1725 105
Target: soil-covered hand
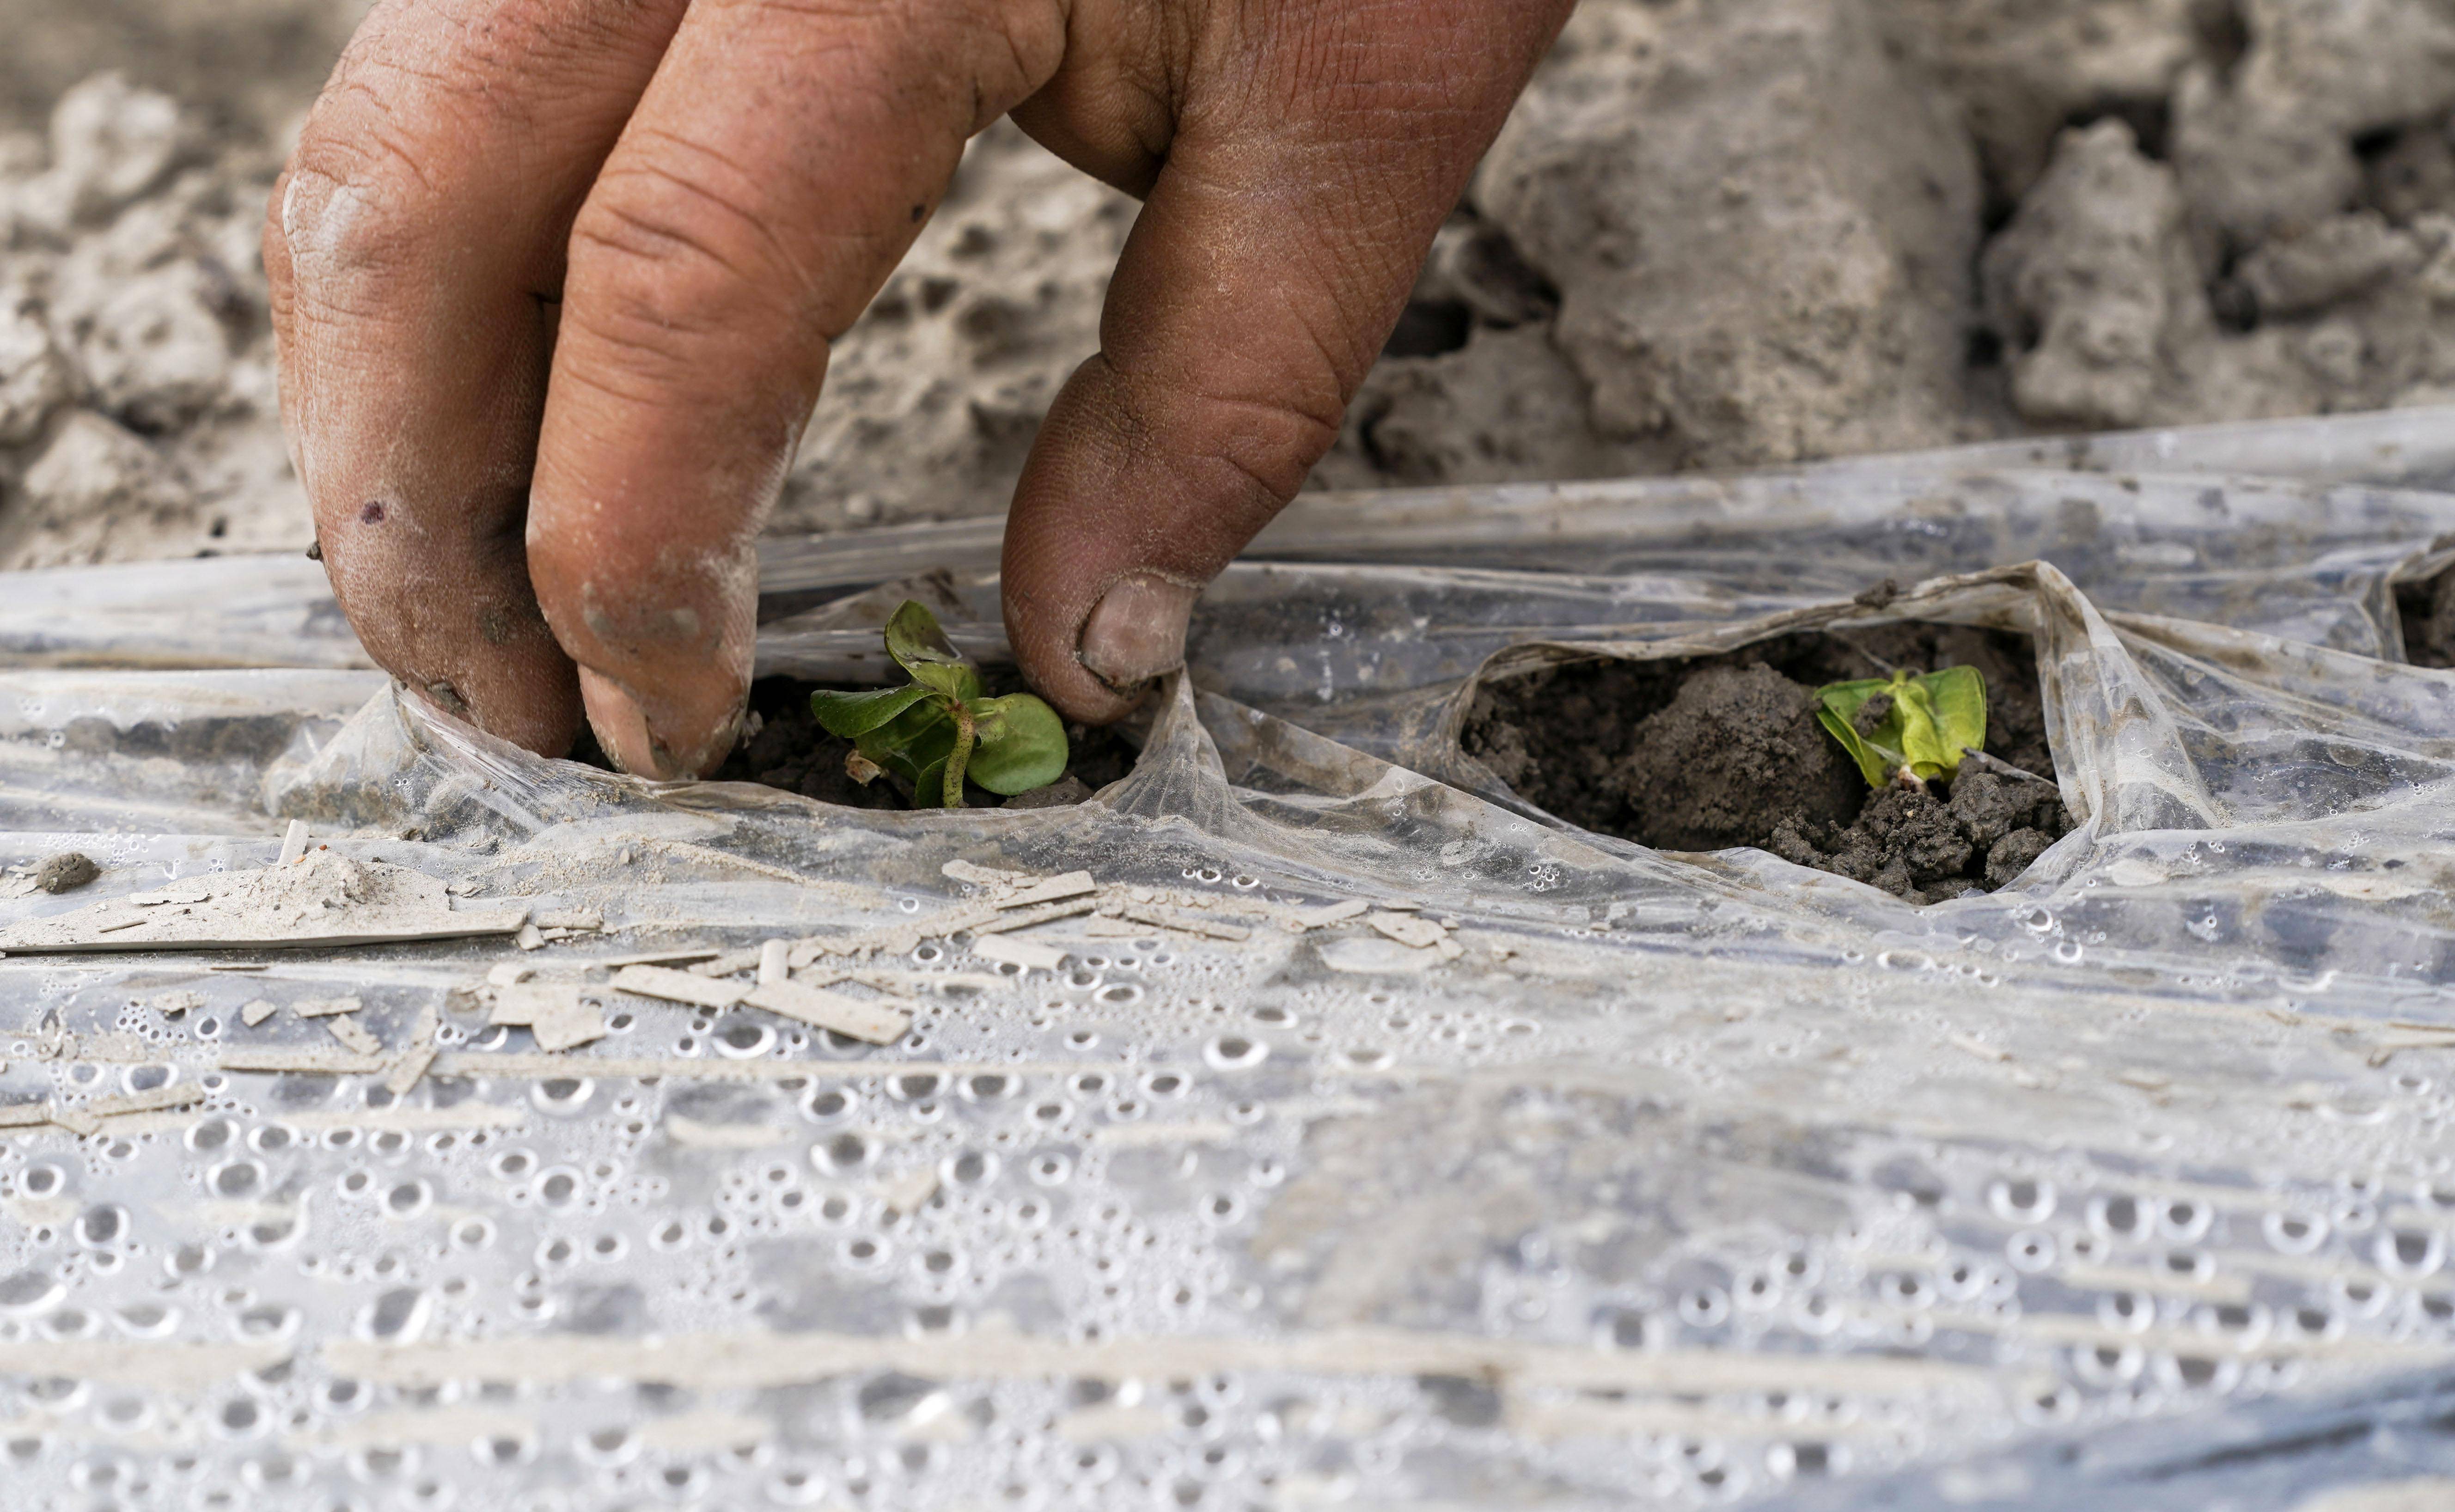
555 281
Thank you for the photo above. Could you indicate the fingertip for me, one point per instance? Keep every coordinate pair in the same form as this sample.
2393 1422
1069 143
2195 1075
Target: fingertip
621 729
538 712
1136 632
665 636
1133 635
665 750
1098 665
1076 693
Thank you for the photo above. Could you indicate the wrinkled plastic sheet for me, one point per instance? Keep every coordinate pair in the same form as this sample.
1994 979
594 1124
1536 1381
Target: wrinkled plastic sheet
1662 1181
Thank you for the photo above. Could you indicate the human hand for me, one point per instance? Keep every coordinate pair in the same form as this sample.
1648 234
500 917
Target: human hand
554 283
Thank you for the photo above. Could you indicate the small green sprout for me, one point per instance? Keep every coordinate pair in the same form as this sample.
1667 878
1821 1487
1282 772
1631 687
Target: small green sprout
1908 727
939 730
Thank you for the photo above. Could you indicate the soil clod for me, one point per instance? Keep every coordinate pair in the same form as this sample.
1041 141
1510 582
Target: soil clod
1065 790
65 871
2427 609
1736 753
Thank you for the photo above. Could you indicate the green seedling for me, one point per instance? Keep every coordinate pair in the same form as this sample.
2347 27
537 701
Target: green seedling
1920 727
939 730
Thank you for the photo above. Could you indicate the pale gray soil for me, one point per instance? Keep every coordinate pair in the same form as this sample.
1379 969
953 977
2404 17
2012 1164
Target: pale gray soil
1717 233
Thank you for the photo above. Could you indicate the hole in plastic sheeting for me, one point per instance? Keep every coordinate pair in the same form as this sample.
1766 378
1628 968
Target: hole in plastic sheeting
1707 753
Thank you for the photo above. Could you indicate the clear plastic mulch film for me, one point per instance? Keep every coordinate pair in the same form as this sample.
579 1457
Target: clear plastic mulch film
1355 1132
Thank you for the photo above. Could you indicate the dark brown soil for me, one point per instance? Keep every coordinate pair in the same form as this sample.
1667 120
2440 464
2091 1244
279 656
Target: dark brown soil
2427 610
1709 753
1735 753
792 753
65 871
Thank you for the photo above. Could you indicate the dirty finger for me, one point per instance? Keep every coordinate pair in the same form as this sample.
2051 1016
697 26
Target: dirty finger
1272 258
776 171
415 249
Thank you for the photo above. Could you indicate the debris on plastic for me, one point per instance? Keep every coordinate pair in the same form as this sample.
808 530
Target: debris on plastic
1021 914
417 1056
84 1118
1326 915
334 1062
322 899
1029 953
568 1023
879 1023
679 986
1408 929
1184 921
554 1013
354 1035
65 871
1073 884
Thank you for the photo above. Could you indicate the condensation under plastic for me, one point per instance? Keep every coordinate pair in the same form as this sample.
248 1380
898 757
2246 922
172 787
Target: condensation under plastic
1689 1181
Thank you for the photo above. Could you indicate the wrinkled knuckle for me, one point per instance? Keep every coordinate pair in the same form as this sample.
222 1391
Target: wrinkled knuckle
1268 472
1267 445
653 265
1305 407
1311 414
347 212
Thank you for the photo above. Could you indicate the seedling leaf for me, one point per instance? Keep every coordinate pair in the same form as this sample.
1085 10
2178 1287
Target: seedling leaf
1875 765
939 729
915 641
852 715
1960 697
952 683
1928 718
1022 745
913 746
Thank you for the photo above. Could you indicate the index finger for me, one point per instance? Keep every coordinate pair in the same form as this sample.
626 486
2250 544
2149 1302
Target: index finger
778 166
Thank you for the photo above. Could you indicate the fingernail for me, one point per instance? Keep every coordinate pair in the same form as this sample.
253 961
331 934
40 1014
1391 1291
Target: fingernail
621 728
1137 630
634 746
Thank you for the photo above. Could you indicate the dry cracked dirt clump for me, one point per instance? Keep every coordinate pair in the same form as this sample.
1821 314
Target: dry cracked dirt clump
1776 230
137 397
138 416
1716 233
